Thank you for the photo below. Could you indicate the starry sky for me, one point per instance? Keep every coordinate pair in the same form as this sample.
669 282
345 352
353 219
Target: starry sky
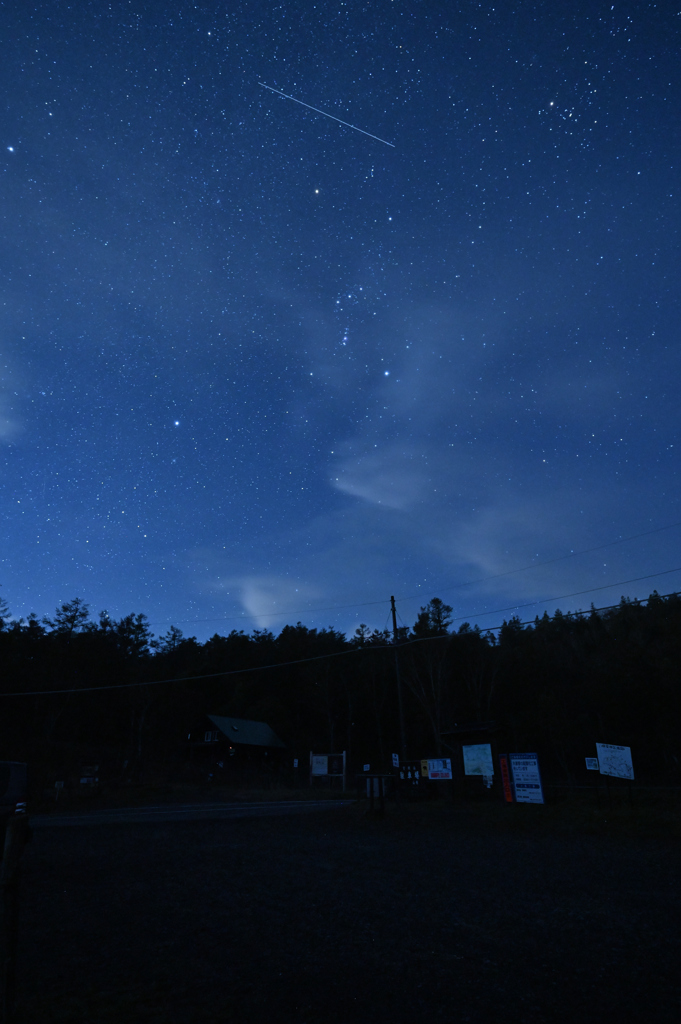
258 366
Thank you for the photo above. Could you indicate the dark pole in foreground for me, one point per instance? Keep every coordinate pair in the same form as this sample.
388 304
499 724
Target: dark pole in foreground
403 741
15 838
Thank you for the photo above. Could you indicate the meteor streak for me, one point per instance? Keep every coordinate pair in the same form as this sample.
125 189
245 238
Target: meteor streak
317 111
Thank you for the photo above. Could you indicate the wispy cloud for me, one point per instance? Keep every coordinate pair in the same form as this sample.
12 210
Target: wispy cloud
265 598
392 476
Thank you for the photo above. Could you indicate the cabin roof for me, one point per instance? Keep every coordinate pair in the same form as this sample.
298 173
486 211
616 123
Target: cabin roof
243 731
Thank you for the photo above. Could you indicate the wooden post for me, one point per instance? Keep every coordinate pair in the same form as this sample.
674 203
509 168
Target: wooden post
16 835
400 708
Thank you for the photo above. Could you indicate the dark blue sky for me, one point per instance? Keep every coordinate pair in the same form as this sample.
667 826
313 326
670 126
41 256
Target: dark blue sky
255 362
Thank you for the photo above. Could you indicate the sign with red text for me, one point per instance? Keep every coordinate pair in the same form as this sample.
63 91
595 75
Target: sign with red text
506 779
439 768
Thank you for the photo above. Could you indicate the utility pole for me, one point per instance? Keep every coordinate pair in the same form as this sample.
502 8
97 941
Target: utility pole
403 741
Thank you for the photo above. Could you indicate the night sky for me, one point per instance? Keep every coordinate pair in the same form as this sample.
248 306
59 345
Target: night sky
260 367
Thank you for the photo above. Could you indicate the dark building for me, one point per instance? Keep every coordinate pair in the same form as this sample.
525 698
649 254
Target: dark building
237 750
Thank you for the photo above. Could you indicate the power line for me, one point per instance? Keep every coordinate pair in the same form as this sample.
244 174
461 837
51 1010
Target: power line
187 679
412 597
605 608
317 657
551 561
577 593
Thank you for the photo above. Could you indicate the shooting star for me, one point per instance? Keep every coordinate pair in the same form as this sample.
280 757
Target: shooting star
317 111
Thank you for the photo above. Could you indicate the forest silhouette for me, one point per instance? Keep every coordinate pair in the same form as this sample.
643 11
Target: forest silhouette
556 685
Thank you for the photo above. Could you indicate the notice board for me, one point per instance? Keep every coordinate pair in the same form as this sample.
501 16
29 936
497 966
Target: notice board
527 787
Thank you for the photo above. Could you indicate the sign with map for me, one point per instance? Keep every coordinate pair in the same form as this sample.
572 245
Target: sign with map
615 760
477 759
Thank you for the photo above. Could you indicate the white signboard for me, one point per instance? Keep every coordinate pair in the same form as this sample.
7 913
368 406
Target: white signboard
396 760
477 759
592 763
614 760
439 768
526 778
320 764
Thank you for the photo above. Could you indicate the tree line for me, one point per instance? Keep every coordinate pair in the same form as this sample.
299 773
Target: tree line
556 685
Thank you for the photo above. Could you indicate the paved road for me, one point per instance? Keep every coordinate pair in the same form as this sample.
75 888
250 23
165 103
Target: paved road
184 812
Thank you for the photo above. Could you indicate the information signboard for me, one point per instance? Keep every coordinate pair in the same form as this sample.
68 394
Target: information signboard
396 760
506 779
326 764
615 760
592 763
410 771
477 760
439 768
526 778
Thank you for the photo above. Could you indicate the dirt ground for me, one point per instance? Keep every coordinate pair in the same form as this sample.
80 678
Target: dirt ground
436 913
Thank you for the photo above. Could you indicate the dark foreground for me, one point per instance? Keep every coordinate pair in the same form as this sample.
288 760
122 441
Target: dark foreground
433 914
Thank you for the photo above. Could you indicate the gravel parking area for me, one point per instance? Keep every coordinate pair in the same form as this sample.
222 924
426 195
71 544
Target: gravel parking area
436 913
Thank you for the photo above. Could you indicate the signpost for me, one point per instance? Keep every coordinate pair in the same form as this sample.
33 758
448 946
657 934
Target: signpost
615 761
506 779
410 772
527 787
477 760
439 768
329 765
